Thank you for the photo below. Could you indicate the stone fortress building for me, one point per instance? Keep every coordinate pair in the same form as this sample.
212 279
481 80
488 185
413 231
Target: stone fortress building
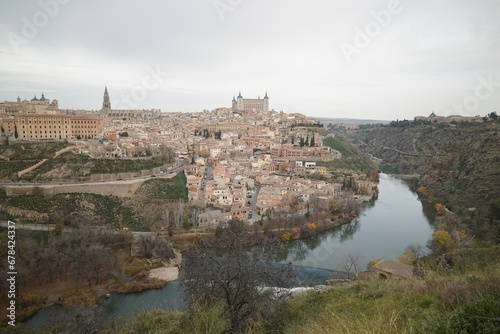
241 104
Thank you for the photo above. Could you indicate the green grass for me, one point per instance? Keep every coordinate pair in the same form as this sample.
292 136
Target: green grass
152 322
351 158
103 166
7 168
32 151
173 189
339 144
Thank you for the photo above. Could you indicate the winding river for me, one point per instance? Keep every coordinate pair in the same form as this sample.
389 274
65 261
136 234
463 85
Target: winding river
383 230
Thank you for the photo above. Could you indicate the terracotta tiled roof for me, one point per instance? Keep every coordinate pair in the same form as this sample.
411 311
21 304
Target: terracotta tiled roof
394 268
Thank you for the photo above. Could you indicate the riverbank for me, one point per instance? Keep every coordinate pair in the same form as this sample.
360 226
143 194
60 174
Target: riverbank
166 274
71 293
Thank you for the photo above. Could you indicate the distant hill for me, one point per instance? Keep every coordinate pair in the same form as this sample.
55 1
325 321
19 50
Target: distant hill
458 164
327 121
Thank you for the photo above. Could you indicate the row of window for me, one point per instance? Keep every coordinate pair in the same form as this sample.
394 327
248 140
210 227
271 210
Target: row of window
50 132
65 122
49 127
74 127
55 135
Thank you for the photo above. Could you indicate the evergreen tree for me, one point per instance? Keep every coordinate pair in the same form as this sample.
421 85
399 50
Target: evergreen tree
312 141
307 140
301 141
16 135
293 140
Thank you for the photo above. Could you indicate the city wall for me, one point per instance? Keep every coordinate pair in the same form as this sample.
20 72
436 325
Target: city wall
29 169
120 189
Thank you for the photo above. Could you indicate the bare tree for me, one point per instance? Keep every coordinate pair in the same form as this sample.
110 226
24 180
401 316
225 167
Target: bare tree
231 274
166 152
417 250
178 213
166 217
194 215
164 249
59 254
145 246
99 260
350 205
149 246
350 264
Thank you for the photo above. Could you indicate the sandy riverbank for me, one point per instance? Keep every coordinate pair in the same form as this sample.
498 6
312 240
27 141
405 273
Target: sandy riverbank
165 273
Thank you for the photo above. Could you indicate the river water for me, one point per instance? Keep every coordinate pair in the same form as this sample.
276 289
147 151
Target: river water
383 230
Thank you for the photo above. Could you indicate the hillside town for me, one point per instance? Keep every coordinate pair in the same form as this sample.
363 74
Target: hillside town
241 162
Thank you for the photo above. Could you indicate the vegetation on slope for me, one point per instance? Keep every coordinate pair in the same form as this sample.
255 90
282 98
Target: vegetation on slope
19 156
75 209
70 210
173 189
69 165
32 151
458 163
9 169
352 158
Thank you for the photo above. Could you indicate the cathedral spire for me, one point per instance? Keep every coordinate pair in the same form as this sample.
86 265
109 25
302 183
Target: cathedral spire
106 103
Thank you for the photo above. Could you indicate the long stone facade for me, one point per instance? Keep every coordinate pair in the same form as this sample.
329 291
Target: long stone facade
47 126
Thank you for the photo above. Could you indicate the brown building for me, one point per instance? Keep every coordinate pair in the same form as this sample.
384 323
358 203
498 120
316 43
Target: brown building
44 126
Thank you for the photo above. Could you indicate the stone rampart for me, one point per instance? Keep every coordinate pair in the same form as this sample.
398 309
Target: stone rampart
120 189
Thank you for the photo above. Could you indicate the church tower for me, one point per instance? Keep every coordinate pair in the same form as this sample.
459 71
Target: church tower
106 103
266 102
239 102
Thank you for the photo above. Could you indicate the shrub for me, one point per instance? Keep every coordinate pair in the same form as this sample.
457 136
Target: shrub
80 297
286 236
477 316
440 209
311 227
422 191
440 242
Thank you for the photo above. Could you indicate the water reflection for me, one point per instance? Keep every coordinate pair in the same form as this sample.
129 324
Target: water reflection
384 228
347 231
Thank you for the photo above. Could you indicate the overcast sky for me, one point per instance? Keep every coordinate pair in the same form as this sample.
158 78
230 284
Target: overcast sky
324 58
